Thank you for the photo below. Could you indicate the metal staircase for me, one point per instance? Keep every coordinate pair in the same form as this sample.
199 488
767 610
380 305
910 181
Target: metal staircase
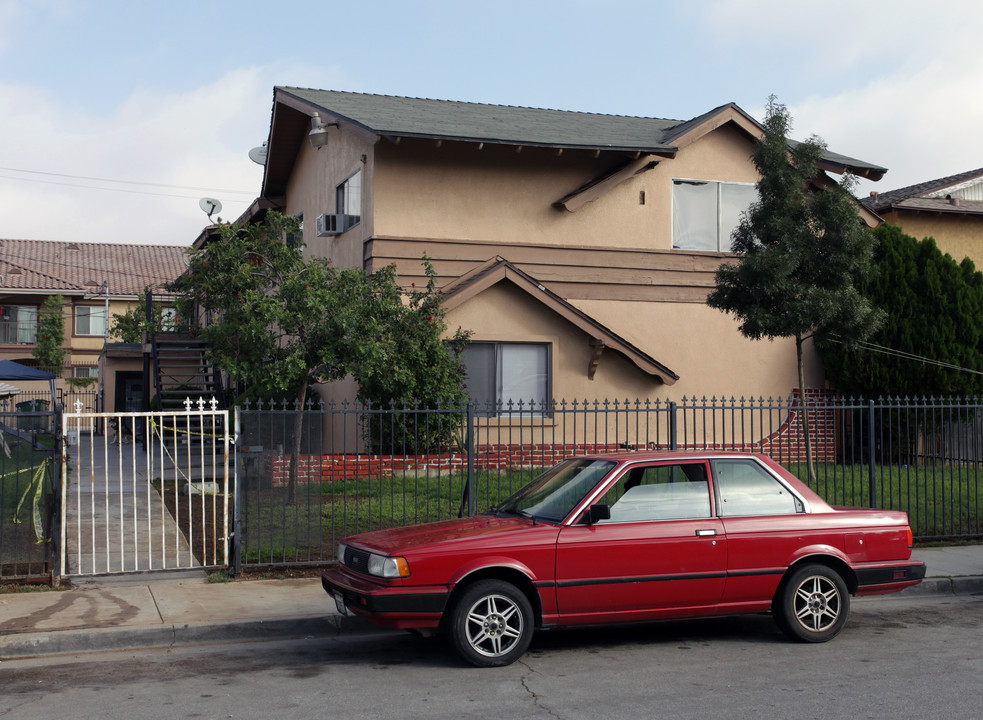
182 370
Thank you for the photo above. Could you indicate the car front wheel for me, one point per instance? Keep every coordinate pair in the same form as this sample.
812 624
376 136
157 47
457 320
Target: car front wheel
491 624
812 605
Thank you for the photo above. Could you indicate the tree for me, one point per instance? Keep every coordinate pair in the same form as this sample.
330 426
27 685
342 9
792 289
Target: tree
802 249
130 325
931 341
280 323
50 350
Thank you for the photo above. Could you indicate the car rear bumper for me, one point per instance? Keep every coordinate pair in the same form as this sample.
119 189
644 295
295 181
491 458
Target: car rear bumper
880 579
384 605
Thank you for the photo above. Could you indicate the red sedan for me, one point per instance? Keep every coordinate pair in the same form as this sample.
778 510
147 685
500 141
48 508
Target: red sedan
628 538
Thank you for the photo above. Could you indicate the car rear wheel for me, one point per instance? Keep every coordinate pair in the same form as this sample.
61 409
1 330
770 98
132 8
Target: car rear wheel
812 604
491 624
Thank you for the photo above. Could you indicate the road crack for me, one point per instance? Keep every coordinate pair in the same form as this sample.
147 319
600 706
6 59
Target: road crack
537 701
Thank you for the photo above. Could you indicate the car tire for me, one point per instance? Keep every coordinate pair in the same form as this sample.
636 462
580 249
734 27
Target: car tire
812 604
491 624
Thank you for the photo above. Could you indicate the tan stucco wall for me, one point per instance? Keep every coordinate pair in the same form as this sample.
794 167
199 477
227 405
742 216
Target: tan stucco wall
496 194
705 349
108 367
701 345
85 349
311 191
958 235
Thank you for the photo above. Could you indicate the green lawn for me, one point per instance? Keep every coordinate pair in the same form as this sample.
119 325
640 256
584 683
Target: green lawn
20 550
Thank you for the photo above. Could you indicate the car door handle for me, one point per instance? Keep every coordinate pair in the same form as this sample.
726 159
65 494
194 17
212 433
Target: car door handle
705 533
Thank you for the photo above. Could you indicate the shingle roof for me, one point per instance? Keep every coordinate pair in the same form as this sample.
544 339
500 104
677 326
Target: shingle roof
914 197
390 115
69 267
420 117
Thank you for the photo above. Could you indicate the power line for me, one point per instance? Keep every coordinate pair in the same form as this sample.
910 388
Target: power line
883 350
121 182
120 190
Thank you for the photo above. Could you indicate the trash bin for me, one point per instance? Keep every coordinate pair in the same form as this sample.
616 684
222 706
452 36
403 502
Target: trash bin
30 421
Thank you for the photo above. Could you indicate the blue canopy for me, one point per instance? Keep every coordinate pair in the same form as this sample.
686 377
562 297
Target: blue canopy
10 370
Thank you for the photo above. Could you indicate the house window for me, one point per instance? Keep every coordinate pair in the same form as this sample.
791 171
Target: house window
500 373
90 320
348 199
705 213
87 372
18 324
168 319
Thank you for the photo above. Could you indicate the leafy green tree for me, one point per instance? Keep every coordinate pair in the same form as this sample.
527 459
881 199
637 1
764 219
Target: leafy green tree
932 341
50 350
130 325
802 249
280 323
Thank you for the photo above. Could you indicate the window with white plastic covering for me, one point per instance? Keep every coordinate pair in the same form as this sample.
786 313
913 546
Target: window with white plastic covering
705 213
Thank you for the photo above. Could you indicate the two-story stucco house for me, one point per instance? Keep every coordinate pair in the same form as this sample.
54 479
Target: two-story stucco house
578 248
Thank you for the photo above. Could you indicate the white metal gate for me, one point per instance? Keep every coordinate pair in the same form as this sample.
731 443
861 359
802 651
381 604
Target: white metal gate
145 491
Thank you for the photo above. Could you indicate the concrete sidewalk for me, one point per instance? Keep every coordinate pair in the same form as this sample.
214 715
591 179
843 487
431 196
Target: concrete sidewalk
164 609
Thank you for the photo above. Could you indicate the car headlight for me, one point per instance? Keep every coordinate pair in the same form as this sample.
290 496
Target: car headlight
388 567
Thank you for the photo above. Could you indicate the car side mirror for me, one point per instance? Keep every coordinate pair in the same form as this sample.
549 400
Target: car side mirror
596 513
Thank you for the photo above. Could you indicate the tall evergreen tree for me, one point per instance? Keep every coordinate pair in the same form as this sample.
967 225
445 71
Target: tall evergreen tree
802 249
932 341
50 351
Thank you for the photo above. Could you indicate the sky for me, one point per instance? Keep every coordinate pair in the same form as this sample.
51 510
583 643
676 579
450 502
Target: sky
117 117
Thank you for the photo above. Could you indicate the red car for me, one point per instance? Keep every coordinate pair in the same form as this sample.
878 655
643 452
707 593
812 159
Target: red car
627 538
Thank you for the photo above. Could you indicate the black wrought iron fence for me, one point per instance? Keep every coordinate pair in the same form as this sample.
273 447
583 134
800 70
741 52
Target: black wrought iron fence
308 477
29 476
40 400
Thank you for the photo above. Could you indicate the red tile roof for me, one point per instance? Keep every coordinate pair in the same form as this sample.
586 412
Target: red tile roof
75 267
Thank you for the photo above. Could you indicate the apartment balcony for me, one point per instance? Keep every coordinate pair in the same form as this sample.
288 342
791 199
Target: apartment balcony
18 333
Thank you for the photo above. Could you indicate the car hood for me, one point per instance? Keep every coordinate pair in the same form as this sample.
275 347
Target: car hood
399 540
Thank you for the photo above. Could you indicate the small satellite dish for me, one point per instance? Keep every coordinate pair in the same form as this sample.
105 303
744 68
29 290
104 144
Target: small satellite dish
258 154
210 206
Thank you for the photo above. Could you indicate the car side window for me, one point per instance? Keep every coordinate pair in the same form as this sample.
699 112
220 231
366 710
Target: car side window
746 488
660 492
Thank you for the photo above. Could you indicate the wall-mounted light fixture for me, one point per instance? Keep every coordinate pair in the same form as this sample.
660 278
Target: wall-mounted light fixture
319 132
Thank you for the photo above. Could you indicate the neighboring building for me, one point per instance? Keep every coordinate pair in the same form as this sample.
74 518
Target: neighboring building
97 281
579 248
949 209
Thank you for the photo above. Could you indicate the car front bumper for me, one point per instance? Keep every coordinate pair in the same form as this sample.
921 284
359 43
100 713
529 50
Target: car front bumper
386 605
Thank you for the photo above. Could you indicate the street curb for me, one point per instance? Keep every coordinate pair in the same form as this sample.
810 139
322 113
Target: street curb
83 640
969 585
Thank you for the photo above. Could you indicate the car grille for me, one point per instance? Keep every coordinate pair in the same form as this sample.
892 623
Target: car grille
357 560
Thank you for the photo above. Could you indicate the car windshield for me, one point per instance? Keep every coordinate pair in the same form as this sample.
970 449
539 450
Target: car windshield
556 492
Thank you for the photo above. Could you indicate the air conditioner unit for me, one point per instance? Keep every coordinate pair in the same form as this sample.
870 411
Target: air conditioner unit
328 225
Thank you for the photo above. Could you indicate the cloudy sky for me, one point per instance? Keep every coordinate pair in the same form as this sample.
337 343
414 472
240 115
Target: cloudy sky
116 117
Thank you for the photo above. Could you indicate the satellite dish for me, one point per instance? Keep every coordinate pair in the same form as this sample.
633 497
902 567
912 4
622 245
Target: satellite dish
210 206
258 154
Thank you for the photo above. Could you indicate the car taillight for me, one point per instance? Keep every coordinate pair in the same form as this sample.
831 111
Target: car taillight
911 538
